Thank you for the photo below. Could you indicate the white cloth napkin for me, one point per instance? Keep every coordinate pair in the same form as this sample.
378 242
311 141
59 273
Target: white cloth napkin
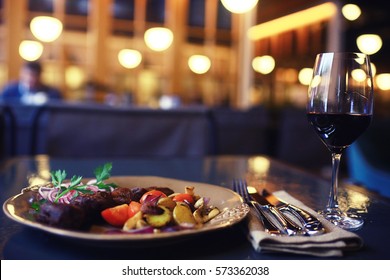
330 244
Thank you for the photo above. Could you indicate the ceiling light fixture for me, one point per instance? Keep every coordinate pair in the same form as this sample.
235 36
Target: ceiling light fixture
46 29
30 50
351 12
369 43
293 21
383 81
158 38
199 64
239 6
129 58
263 64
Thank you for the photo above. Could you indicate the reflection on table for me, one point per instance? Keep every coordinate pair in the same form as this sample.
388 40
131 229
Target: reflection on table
20 242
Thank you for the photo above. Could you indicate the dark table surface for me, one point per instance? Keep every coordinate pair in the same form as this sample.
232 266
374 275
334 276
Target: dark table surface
20 242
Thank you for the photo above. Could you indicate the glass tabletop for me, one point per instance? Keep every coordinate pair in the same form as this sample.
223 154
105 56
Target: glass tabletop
20 242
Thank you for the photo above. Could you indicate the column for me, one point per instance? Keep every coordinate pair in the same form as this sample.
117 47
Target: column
175 20
14 26
98 34
244 59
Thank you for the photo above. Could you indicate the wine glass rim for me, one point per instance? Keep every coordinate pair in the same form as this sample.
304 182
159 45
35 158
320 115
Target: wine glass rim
359 54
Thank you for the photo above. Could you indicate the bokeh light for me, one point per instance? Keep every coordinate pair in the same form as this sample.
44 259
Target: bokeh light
30 50
199 64
158 38
46 29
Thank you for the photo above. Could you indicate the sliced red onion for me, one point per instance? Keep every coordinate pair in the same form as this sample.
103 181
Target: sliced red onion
91 182
93 188
52 195
44 192
151 209
151 199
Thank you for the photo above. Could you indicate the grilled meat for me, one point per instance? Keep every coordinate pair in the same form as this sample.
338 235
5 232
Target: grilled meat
61 215
122 195
93 204
85 209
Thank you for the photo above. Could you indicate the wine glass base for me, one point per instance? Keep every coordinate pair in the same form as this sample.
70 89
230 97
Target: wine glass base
342 220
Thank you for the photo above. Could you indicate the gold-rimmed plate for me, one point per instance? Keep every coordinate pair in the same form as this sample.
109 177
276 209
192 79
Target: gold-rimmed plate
18 208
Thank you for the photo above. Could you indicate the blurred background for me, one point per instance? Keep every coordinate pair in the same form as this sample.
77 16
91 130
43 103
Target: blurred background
162 53
168 78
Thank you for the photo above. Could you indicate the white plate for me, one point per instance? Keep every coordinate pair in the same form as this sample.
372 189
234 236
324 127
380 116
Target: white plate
233 211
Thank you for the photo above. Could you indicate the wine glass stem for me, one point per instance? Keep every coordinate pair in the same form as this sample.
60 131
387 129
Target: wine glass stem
332 202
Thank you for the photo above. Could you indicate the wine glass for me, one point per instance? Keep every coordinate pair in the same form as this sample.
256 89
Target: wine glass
340 109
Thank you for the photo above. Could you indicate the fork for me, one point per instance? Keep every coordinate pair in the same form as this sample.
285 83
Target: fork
240 187
272 214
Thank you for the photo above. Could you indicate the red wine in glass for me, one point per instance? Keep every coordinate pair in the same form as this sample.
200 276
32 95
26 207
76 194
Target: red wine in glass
338 131
340 108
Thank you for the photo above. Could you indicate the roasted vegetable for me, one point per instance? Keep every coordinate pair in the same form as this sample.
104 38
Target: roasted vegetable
159 220
116 216
75 204
182 214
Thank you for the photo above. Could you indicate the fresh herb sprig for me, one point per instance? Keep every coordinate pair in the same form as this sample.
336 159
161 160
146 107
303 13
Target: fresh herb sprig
101 173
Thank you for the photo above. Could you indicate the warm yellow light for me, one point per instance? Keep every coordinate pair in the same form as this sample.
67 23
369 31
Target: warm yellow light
158 38
305 76
46 29
291 75
293 21
30 50
315 82
263 64
129 58
199 64
358 75
373 69
74 77
251 190
239 6
286 75
383 81
259 164
351 12
361 58
369 43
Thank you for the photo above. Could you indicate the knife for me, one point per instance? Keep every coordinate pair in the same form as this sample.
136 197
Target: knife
288 226
311 224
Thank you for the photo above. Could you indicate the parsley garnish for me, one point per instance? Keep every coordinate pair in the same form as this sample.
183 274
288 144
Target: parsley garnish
101 173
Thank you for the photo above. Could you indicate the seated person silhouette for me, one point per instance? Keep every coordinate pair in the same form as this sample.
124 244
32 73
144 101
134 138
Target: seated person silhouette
29 90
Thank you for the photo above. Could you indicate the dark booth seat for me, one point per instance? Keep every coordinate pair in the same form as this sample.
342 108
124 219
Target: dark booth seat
69 130
80 130
369 157
297 142
7 132
240 132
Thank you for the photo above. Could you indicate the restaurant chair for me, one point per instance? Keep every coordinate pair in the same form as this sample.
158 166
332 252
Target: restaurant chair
70 130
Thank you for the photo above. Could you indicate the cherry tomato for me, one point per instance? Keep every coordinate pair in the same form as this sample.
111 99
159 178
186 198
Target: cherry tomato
134 208
117 215
154 193
184 197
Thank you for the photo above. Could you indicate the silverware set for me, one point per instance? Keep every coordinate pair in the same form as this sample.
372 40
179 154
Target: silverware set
277 216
